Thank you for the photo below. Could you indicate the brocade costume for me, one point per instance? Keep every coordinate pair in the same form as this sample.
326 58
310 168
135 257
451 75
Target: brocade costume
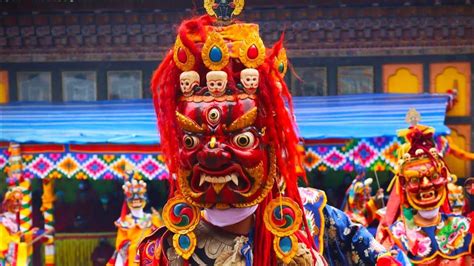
14 245
132 227
418 222
229 137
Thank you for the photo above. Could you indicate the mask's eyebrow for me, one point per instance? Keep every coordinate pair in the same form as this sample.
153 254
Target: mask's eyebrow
243 121
188 124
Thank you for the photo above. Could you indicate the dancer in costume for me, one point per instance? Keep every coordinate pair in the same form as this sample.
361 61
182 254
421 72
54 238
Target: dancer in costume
14 244
133 227
456 196
228 134
358 204
417 221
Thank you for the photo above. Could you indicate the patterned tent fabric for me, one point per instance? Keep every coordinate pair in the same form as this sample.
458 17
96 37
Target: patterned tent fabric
89 166
134 122
379 154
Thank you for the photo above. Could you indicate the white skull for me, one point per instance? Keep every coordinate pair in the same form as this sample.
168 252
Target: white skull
434 152
187 81
406 157
216 82
419 152
250 79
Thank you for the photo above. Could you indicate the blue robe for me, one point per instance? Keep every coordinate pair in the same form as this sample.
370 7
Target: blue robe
341 241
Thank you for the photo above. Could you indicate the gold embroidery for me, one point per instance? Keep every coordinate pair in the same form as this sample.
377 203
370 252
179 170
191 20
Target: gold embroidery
190 60
252 40
215 41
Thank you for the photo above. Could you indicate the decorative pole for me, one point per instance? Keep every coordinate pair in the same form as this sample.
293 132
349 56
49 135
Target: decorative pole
47 208
15 177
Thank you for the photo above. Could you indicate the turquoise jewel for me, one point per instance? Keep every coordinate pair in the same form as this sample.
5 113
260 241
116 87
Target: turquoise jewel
184 241
281 67
215 54
285 244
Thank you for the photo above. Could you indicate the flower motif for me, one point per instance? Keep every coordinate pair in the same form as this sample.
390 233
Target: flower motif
398 230
424 246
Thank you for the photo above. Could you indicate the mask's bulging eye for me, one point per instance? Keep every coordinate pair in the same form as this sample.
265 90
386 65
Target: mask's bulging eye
414 181
244 140
214 116
190 142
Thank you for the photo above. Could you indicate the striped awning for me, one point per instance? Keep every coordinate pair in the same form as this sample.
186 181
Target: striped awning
366 115
134 122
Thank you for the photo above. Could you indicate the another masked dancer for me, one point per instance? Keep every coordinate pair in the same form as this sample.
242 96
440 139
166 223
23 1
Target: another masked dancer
15 246
469 192
418 220
359 205
134 226
228 136
457 199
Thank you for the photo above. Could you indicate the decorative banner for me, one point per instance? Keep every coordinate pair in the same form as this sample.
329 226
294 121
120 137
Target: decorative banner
378 154
371 153
89 166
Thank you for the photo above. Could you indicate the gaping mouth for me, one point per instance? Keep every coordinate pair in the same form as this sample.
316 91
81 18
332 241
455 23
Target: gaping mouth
136 205
232 177
427 196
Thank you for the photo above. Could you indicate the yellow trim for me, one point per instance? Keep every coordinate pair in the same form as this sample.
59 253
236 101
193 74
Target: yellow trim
234 32
281 58
437 253
185 253
268 214
252 39
168 208
190 60
286 257
239 5
323 222
208 6
214 39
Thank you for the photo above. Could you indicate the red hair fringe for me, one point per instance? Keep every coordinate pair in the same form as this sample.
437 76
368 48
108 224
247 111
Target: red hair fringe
275 113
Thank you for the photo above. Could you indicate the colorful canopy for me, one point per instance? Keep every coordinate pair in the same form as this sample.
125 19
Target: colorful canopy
134 122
